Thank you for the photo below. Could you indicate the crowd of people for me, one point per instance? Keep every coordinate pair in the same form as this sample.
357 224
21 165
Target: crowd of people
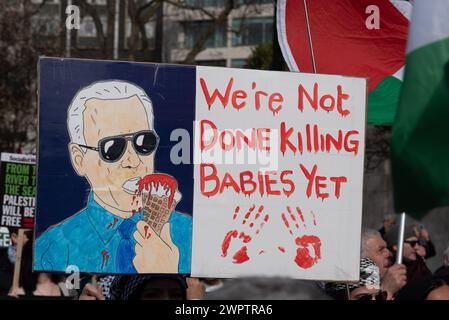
381 278
409 280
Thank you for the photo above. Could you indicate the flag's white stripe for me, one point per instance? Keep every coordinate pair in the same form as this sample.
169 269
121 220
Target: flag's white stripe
430 23
403 7
282 35
399 74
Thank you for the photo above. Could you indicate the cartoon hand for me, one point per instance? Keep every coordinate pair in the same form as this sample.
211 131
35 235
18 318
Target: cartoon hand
155 254
306 244
234 236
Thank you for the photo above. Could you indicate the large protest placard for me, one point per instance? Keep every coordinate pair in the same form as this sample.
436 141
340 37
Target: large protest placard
278 184
127 157
108 183
18 190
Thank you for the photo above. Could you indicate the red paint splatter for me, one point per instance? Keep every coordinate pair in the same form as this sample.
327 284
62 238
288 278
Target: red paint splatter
298 210
291 214
246 238
249 213
259 212
251 225
284 218
303 257
281 249
105 258
112 224
236 212
266 218
167 182
314 220
227 241
241 256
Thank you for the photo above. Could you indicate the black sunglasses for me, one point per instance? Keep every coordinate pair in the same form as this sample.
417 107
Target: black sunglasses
381 295
412 242
112 149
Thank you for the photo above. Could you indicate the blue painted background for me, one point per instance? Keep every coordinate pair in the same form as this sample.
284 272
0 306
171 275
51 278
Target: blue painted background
61 192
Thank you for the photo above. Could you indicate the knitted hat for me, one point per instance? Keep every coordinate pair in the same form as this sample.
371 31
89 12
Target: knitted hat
391 237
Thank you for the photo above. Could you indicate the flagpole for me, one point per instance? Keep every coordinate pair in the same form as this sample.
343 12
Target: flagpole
400 239
310 36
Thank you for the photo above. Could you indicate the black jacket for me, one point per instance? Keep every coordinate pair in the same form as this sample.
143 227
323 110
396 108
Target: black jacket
6 272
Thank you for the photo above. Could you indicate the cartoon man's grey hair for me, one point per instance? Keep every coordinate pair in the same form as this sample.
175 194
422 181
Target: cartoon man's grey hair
104 90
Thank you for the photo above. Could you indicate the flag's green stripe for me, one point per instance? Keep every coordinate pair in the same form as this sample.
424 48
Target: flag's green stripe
383 101
420 141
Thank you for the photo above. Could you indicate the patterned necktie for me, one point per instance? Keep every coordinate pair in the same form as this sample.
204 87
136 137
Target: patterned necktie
125 251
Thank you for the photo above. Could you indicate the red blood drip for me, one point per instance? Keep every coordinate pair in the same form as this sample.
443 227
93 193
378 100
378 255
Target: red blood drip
303 257
266 218
227 241
281 249
251 225
241 256
169 184
105 258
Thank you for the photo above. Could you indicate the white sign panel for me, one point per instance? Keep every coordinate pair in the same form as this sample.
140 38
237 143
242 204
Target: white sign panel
278 174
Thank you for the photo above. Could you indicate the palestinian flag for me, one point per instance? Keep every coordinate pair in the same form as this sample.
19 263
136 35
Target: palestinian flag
420 140
342 44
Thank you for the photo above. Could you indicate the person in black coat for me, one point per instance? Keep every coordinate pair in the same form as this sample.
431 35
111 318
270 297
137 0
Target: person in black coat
7 261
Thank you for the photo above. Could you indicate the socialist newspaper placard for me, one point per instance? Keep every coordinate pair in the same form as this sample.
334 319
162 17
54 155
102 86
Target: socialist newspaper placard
18 190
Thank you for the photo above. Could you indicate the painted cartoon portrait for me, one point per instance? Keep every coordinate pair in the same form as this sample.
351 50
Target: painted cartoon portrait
130 221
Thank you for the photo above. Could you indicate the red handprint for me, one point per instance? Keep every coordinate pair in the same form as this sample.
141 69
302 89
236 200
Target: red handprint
241 255
304 243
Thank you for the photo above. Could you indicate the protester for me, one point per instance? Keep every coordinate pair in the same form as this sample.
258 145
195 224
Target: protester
8 260
105 284
388 223
438 290
426 248
33 284
368 287
393 276
212 284
443 271
195 289
140 287
416 265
